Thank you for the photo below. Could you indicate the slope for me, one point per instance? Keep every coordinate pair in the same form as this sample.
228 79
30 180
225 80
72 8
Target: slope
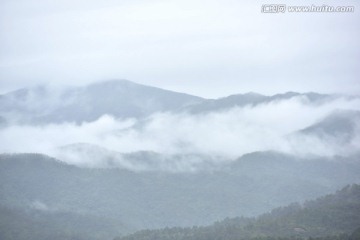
334 214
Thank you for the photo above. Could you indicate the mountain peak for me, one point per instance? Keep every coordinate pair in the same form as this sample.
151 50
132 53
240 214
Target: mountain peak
112 84
117 97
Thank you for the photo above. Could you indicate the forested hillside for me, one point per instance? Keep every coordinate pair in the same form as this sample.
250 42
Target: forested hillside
113 202
155 199
336 215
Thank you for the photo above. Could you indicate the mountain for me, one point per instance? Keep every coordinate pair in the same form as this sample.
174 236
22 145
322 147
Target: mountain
251 185
119 98
252 99
238 100
340 126
122 99
336 214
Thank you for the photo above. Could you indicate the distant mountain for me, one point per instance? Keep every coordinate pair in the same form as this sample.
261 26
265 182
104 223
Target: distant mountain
253 99
334 134
122 99
253 184
119 98
340 126
336 215
238 100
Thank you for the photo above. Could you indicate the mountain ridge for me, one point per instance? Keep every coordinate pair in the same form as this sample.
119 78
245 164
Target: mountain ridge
173 198
121 99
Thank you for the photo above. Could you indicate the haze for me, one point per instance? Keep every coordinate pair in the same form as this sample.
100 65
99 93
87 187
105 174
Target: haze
178 119
210 49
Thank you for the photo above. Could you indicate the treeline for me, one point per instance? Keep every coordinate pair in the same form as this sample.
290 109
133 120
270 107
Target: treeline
333 217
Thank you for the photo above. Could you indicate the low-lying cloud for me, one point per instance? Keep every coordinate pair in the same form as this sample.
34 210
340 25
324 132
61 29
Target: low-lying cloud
219 135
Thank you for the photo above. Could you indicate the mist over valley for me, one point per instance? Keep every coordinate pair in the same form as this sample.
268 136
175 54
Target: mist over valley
137 157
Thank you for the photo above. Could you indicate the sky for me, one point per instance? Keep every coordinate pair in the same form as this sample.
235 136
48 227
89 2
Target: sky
210 48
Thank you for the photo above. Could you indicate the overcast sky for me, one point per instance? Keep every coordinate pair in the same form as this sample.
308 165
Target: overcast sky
207 48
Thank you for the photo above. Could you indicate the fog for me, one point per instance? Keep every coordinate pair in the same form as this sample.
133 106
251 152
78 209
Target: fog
216 136
121 117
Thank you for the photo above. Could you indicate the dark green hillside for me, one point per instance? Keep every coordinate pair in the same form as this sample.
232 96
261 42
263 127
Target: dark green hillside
336 215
